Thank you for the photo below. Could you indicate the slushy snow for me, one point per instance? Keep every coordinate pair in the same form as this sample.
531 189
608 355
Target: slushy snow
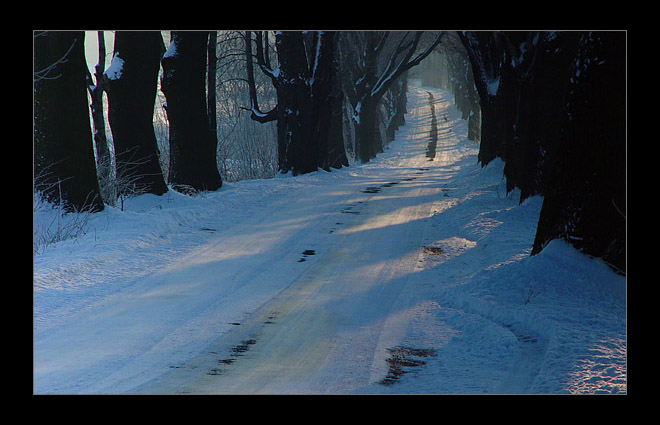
310 284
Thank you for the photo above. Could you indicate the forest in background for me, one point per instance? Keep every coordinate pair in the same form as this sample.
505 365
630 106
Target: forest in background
186 110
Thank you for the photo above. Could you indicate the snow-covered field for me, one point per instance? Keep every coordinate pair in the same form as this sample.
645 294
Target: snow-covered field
399 276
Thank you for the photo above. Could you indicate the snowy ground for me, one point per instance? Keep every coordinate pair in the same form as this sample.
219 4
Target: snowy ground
399 276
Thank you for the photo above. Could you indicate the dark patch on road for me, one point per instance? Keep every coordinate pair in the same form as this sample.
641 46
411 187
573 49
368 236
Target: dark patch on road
306 253
371 189
401 360
432 250
242 347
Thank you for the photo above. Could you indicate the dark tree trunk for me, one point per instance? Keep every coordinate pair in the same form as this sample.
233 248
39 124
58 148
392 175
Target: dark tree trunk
542 104
367 135
585 199
297 149
321 96
486 55
474 123
509 100
327 98
63 149
192 155
521 79
309 109
300 115
474 116
336 155
399 100
489 148
131 83
502 63
461 86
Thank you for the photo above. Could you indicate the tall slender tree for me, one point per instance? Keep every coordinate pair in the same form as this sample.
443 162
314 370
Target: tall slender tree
96 87
192 153
131 83
63 149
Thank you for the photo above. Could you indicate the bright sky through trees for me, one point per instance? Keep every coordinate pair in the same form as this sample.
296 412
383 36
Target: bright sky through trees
92 48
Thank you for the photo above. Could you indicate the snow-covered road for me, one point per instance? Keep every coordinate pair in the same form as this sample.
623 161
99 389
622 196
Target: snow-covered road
328 330
378 278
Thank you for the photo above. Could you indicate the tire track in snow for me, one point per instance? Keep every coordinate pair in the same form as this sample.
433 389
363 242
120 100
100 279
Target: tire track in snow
329 335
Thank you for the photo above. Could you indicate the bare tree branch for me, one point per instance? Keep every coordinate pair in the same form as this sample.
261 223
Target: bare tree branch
262 55
380 45
256 113
390 74
43 74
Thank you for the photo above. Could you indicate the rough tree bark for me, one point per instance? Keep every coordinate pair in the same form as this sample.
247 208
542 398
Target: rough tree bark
192 153
63 149
327 101
131 84
298 151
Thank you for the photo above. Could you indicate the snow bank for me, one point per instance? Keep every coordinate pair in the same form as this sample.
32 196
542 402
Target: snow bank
573 305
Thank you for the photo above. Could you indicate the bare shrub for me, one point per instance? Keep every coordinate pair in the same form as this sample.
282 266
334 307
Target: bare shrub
65 222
